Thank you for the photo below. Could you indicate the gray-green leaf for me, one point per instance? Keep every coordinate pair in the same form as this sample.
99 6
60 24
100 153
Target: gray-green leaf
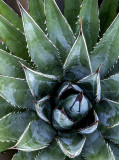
59 30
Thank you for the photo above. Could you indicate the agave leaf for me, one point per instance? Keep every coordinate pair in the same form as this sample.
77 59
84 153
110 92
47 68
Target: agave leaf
52 152
16 92
9 65
43 108
71 11
110 133
14 124
108 112
42 51
6 108
106 52
77 64
13 38
5 145
59 30
40 84
91 85
107 13
90 23
37 12
37 136
71 143
110 87
60 120
95 148
115 149
25 155
92 127
10 15
3 47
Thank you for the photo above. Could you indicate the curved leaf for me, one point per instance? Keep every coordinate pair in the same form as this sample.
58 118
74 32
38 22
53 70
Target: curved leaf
6 108
92 127
106 52
5 145
43 108
40 84
61 121
9 65
37 12
52 152
25 155
108 112
10 15
13 38
77 64
42 51
77 158
91 85
71 11
90 23
95 148
107 13
71 143
110 87
37 136
14 124
59 30
110 133
16 92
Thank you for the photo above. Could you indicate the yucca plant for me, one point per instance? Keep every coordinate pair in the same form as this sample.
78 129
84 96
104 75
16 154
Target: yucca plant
59 82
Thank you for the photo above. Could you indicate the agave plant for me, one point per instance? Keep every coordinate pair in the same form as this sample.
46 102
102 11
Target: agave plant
59 82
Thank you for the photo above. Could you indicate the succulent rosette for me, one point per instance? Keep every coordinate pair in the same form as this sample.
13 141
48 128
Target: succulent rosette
59 90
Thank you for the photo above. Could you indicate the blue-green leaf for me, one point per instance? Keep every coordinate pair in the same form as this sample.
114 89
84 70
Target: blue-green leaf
59 30
14 124
77 64
71 11
9 65
110 87
115 149
95 148
107 13
90 23
60 120
40 84
108 112
10 15
106 51
52 152
37 135
16 92
13 39
71 143
42 51
37 12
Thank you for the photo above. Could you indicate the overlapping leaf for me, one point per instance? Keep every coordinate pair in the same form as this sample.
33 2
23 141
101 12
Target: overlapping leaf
106 52
96 149
41 49
37 12
77 64
14 124
16 92
53 152
37 135
59 30
13 38
90 24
